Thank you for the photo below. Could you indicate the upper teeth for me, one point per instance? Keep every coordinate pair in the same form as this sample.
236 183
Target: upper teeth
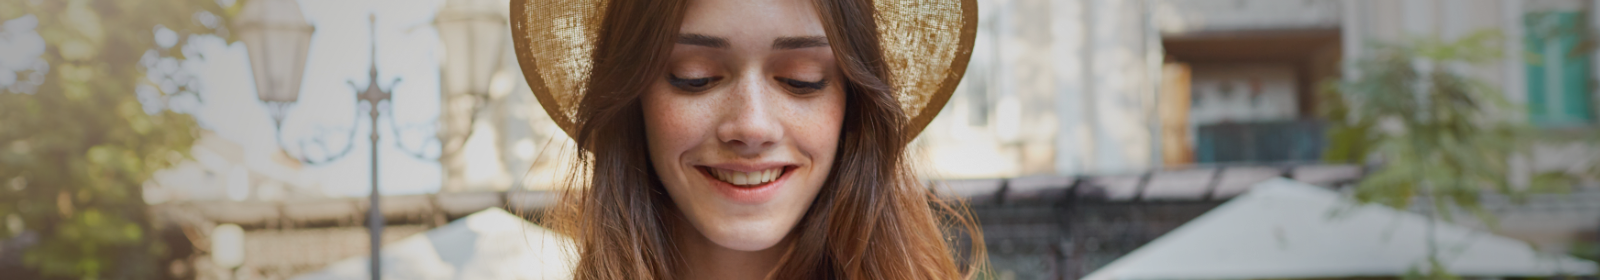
746 178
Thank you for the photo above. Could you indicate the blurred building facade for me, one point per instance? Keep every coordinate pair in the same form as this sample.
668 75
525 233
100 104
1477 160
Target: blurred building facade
1098 87
1180 96
1108 87
289 226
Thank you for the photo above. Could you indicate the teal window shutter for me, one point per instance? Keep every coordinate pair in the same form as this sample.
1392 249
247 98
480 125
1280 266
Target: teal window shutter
1558 72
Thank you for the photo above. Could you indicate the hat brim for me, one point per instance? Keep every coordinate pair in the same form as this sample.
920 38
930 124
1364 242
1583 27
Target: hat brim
927 45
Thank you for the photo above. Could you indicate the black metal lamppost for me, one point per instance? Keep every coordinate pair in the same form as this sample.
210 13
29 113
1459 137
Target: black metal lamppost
278 37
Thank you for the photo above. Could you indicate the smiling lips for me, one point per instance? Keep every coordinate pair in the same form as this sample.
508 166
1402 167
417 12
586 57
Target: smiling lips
746 179
749 188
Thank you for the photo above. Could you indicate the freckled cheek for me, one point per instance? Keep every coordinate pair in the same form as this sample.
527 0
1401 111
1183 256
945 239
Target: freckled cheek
818 125
671 124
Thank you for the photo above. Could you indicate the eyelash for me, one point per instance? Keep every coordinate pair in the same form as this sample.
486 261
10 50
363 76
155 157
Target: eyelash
701 84
803 87
691 85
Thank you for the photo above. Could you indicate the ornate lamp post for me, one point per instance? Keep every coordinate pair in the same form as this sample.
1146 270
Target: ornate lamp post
476 38
277 37
374 95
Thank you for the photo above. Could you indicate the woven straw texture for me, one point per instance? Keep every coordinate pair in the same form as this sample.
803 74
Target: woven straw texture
927 43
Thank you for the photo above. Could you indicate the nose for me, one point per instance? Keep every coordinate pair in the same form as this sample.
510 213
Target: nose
748 126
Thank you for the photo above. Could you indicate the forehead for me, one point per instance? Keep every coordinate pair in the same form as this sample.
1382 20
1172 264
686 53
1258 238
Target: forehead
751 21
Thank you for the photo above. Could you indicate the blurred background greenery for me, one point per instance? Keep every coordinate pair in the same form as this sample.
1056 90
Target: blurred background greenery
90 124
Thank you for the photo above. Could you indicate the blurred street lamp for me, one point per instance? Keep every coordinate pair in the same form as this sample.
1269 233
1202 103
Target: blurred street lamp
277 36
476 36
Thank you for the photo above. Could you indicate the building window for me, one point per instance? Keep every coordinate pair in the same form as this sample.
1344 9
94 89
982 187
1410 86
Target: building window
1558 69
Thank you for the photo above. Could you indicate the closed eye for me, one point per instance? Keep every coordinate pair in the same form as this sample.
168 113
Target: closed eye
803 87
692 85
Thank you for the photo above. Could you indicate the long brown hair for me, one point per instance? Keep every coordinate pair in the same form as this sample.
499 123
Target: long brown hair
873 219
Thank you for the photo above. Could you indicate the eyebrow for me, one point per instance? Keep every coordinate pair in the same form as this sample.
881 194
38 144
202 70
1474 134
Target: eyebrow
790 43
781 43
703 40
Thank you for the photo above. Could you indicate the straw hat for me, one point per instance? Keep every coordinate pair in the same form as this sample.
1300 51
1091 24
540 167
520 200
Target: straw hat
927 43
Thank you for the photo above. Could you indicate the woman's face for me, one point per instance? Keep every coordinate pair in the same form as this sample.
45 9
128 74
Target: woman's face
743 126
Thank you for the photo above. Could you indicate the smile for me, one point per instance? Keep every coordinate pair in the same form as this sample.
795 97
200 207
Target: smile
753 187
746 179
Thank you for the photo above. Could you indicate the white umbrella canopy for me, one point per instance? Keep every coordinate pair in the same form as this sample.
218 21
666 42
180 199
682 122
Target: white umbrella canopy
1285 229
490 244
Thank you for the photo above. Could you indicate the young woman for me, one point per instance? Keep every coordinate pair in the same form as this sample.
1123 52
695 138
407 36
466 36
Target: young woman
750 139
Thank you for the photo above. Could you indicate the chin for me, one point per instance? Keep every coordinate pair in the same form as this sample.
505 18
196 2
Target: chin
748 236
738 226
